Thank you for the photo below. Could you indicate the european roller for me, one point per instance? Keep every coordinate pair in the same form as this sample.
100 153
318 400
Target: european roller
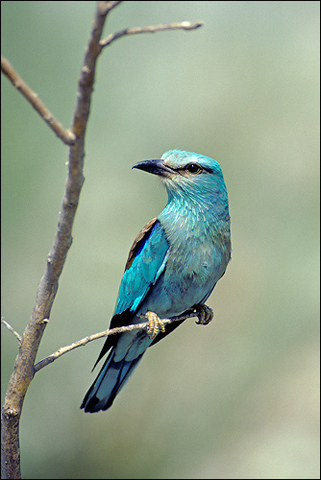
173 266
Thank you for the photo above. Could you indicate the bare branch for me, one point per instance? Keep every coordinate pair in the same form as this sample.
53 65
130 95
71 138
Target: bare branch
150 29
23 372
12 330
106 7
114 331
65 135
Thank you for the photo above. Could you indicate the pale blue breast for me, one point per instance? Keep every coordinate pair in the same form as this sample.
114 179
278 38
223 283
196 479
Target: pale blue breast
187 280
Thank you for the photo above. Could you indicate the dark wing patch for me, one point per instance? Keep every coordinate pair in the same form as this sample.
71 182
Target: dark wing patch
120 320
139 242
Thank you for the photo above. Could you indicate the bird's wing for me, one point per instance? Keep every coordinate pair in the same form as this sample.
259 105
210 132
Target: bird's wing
146 261
139 242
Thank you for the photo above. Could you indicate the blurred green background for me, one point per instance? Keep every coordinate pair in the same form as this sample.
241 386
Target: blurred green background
239 398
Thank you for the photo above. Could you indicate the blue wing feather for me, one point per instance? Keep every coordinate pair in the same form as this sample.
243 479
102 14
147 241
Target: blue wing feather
146 262
144 270
140 273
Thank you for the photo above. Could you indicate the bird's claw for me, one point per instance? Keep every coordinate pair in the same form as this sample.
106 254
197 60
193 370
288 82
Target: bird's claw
154 325
204 314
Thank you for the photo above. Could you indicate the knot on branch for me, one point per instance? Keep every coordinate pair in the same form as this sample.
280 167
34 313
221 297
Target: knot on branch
10 413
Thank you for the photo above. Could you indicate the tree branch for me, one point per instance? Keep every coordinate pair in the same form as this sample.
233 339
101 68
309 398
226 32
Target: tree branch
114 331
12 330
65 135
150 29
106 7
23 371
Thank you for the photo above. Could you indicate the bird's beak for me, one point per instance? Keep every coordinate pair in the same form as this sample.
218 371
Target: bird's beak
156 167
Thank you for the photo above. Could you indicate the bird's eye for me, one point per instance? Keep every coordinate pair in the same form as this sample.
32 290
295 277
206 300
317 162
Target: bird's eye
193 168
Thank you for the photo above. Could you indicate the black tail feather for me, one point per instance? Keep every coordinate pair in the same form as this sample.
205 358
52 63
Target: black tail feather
108 383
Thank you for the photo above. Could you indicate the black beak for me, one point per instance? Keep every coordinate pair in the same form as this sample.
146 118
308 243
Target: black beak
156 167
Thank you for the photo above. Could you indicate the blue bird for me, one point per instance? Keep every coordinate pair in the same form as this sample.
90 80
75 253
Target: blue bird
173 266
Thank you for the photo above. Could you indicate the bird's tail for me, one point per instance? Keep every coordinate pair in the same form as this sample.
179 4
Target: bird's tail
110 380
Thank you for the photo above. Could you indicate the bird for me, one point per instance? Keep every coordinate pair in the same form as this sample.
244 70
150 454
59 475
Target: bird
172 268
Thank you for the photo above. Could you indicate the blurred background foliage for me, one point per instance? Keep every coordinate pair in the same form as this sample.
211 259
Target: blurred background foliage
239 398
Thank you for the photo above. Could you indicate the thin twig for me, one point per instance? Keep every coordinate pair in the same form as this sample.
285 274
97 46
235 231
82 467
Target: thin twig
114 331
12 330
150 29
65 135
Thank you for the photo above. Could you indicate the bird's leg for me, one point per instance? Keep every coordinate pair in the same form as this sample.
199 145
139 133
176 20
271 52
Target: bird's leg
204 314
154 325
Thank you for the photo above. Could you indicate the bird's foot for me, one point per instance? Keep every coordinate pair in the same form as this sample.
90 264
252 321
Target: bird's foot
204 314
154 325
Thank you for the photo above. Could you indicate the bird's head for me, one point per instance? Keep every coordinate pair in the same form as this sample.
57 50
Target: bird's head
187 174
